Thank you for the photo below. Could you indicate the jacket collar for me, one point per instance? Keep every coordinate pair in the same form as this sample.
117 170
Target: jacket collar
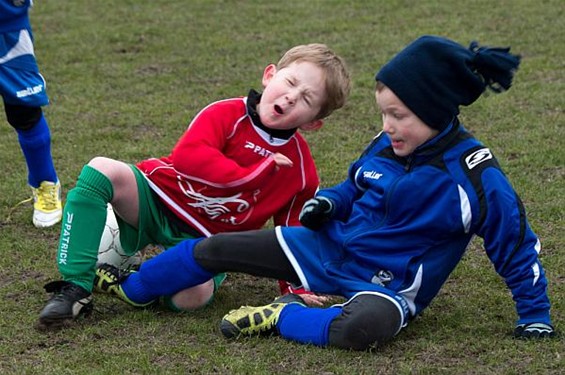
442 141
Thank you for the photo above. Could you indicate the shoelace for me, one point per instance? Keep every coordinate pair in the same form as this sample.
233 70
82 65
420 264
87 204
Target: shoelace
8 218
109 275
47 197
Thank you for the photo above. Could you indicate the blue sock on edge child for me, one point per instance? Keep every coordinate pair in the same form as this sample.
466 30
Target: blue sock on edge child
166 274
36 147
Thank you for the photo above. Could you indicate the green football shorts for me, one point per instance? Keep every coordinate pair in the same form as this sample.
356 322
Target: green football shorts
154 227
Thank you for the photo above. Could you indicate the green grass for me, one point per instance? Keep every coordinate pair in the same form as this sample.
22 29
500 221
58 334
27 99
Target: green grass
125 77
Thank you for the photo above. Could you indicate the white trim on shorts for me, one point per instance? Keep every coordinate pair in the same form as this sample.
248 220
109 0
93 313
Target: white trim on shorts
291 258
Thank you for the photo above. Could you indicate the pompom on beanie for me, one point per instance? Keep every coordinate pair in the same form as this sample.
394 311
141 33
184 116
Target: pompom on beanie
433 76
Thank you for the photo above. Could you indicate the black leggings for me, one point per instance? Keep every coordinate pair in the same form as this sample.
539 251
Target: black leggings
367 320
255 252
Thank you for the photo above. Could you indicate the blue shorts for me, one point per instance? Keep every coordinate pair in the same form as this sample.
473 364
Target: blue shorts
20 80
324 267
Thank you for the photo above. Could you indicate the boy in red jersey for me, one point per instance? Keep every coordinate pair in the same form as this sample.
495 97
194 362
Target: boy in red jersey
240 163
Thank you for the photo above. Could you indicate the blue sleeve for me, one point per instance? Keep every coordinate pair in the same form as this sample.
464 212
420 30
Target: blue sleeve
342 196
346 193
513 247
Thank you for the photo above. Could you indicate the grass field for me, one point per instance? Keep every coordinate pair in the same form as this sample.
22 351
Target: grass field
125 78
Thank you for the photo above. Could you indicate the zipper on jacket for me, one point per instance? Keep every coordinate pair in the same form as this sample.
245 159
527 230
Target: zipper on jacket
408 165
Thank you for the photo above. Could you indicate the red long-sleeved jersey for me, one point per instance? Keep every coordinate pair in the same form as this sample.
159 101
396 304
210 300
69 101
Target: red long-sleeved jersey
220 176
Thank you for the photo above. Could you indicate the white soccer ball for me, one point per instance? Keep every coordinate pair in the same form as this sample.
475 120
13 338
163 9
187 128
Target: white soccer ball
110 250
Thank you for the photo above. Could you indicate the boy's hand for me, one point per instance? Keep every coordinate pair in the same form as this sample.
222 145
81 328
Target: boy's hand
311 299
316 212
281 160
534 331
314 300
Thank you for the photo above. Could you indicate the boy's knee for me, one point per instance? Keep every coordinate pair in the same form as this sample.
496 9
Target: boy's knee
22 117
367 320
100 163
192 298
118 172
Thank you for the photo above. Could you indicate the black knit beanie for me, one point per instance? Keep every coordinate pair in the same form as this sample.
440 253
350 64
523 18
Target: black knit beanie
433 76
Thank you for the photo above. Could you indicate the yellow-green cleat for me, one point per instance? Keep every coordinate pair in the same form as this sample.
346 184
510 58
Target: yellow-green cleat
108 279
261 320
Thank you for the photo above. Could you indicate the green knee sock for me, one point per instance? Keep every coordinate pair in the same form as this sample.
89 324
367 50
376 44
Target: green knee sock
84 217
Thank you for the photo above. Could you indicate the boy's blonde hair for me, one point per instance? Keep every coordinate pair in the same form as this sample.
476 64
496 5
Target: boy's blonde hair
337 80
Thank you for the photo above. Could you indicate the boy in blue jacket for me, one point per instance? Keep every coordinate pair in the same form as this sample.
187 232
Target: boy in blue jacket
388 237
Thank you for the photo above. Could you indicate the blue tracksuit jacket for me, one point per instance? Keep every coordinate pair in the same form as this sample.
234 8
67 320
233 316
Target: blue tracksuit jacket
404 223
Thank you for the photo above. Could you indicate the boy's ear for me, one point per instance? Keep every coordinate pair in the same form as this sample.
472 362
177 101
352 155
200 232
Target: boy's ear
312 125
268 73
